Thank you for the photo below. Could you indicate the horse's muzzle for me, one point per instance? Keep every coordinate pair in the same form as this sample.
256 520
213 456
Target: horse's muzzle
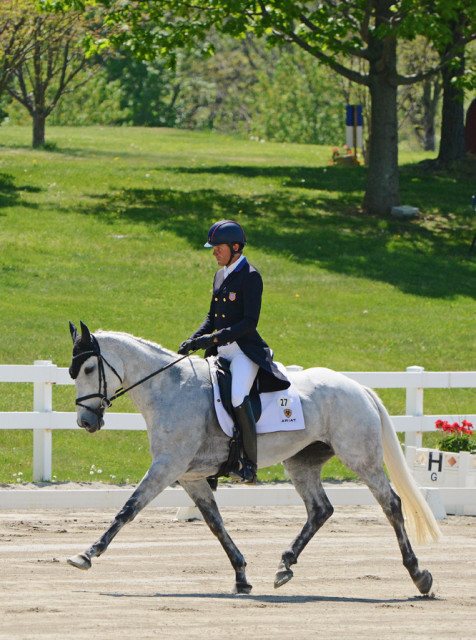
90 425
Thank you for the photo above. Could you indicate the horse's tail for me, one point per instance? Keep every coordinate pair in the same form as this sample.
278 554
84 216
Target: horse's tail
421 523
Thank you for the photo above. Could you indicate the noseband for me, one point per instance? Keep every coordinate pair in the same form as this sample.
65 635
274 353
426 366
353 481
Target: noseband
102 392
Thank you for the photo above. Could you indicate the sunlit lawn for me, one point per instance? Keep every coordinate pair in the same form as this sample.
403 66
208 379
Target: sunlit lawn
108 226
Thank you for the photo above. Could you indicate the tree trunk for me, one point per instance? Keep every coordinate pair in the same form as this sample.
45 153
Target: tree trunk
430 100
429 136
382 188
38 129
452 141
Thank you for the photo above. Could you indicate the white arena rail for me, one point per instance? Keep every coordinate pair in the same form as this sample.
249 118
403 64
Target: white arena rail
43 420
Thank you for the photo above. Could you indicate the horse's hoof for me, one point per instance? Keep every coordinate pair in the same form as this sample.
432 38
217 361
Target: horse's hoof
81 561
424 582
282 576
242 588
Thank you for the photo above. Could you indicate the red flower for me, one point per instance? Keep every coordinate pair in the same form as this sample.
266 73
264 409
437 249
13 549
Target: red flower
467 428
445 426
457 437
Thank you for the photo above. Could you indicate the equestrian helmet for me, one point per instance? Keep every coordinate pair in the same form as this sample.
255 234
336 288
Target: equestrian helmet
225 232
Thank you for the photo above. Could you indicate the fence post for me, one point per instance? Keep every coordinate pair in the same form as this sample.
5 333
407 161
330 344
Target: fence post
414 407
42 440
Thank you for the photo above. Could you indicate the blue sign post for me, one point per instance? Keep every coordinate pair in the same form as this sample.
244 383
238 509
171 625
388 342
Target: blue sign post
354 122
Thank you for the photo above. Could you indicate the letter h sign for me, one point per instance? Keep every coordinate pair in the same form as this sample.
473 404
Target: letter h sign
438 460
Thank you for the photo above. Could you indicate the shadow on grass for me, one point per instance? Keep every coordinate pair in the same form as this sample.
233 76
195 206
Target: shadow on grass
328 178
420 186
315 217
10 193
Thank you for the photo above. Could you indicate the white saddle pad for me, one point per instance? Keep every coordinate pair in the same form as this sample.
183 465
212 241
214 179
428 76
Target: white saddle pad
280 410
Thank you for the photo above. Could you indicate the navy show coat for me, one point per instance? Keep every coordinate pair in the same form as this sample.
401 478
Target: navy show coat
234 313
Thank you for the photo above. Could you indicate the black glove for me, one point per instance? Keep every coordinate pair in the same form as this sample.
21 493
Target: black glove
203 342
186 347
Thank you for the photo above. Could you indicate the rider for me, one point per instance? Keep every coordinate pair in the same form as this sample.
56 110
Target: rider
229 330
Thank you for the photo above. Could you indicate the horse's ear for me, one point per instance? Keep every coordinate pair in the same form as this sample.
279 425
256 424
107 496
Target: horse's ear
73 331
85 334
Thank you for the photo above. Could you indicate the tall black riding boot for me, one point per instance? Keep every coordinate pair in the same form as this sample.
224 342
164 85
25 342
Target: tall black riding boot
247 426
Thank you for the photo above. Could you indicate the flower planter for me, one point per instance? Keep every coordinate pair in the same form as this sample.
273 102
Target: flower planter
346 161
442 469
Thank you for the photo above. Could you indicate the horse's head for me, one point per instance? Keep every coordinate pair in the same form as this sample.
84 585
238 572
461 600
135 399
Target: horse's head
98 375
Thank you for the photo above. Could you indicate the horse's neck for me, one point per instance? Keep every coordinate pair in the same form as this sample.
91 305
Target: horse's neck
139 357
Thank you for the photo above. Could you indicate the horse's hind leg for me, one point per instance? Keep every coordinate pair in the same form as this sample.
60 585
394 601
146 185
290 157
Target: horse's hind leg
304 469
392 507
202 495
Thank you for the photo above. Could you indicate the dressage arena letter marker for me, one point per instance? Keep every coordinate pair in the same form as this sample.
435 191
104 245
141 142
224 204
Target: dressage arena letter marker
438 460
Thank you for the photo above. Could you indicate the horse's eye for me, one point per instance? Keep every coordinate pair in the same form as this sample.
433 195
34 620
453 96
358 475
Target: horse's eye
88 370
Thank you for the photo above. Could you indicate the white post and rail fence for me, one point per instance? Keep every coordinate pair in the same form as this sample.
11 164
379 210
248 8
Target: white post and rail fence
43 420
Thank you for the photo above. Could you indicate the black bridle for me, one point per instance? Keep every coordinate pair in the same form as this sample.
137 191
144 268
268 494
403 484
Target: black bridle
102 391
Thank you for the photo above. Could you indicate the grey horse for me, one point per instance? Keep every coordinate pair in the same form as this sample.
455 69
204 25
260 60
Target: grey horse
187 445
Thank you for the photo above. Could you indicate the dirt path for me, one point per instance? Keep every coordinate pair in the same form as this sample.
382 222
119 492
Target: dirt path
163 579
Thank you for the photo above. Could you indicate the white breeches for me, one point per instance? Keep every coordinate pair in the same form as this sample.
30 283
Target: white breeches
243 372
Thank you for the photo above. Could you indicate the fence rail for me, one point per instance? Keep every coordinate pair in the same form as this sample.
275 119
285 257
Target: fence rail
43 419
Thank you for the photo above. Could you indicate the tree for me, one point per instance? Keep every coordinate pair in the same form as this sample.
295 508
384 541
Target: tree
56 56
334 32
452 141
450 25
15 38
418 104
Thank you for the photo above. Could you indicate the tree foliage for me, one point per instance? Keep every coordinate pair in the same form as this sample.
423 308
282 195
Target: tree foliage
294 101
55 58
243 89
418 104
15 38
333 32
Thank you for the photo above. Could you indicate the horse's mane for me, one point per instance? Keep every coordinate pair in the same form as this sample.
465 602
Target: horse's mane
153 346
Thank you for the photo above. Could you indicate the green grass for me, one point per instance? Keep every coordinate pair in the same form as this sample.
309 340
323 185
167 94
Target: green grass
107 226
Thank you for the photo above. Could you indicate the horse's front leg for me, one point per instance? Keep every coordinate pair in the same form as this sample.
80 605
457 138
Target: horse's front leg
202 496
161 474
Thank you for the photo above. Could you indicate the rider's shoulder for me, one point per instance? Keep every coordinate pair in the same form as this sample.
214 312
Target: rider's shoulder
252 270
